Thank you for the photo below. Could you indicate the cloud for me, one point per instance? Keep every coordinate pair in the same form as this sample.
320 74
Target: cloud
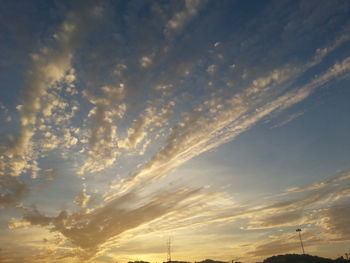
5 113
150 122
277 76
335 220
321 226
48 67
276 219
306 207
82 200
145 61
12 191
330 191
212 69
288 242
103 151
15 223
88 230
288 119
320 210
323 52
335 179
199 132
274 247
181 18
191 120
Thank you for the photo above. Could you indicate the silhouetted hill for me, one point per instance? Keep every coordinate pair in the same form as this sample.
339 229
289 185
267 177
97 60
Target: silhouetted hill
203 261
294 258
211 261
288 258
138 261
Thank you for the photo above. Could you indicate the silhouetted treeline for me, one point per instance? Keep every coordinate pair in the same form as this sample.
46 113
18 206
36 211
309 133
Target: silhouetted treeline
211 261
294 258
288 258
138 261
203 261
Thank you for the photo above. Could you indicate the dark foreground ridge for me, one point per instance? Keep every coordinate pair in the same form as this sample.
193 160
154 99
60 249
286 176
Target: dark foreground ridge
288 258
291 258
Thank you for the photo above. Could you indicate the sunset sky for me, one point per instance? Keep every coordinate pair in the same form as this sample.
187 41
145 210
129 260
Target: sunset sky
223 125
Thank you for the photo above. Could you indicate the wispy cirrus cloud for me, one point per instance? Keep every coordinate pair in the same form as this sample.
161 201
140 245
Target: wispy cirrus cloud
200 131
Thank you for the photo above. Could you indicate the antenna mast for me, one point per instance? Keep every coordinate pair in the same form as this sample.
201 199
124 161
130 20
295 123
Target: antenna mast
301 242
169 250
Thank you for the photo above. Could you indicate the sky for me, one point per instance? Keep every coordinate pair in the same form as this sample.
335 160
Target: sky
222 125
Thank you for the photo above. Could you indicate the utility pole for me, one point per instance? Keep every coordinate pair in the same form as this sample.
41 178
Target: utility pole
169 250
301 242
